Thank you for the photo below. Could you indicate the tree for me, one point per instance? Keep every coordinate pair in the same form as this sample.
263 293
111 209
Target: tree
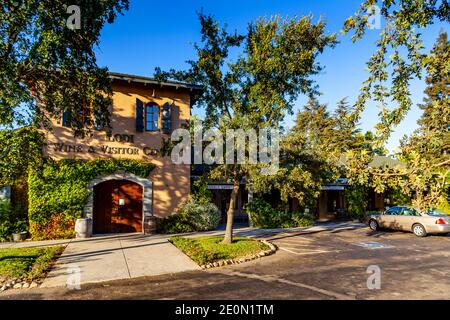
47 61
426 153
276 61
314 153
389 70
309 157
20 149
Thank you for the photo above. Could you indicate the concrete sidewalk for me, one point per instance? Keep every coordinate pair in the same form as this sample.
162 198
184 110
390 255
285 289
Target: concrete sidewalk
112 257
268 233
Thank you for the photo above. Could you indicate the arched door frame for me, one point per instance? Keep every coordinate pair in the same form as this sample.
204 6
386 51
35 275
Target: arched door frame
147 194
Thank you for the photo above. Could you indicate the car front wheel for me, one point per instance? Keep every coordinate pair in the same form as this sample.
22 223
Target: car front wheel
373 225
419 230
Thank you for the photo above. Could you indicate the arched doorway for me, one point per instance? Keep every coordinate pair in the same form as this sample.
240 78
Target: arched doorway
117 207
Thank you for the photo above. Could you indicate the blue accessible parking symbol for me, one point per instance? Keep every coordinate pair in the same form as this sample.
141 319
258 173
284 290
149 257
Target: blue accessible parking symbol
372 245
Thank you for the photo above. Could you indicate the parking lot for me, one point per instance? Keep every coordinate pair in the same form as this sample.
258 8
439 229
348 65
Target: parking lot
410 267
308 265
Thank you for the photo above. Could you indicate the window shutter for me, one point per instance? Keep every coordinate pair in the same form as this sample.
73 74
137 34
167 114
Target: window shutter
139 115
166 118
66 119
98 122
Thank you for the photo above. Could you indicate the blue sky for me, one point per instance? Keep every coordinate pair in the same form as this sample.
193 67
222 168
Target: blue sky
156 33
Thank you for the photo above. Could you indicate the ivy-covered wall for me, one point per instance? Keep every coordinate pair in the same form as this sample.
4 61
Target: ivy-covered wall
57 192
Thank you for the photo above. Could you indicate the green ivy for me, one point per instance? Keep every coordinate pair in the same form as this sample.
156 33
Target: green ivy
57 191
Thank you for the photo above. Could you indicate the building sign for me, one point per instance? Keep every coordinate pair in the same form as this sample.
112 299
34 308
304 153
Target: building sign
107 149
122 138
329 188
220 187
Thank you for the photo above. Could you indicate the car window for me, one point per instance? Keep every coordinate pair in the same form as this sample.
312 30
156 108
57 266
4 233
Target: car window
393 211
409 212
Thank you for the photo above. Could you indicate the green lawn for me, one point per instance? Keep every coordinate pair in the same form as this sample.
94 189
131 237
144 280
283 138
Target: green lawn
210 249
27 263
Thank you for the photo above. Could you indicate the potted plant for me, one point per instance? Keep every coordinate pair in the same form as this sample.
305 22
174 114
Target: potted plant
20 230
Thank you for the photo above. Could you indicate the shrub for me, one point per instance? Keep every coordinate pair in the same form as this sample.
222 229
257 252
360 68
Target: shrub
301 220
9 220
175 223
264 216
5 220
58 226
203 216
191 215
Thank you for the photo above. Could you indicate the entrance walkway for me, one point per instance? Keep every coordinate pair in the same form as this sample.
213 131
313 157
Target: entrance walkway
119 256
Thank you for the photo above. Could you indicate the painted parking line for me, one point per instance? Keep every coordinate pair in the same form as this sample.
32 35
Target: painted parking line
295 239
306 252
293 245
274 278
301 241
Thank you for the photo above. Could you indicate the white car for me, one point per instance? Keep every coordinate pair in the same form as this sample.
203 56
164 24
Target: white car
408 219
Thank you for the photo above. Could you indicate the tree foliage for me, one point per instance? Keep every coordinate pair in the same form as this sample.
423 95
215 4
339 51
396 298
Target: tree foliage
426 153
314 152
275 63
399 56
20 149
47 68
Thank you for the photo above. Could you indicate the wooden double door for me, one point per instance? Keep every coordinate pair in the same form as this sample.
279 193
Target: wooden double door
117 207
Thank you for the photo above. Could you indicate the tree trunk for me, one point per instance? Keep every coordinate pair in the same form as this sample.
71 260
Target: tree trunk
230 213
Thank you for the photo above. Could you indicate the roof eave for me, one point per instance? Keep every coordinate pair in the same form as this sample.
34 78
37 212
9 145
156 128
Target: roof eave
146 80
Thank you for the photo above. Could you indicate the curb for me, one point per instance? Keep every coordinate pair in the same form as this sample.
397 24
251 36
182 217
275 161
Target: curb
221 263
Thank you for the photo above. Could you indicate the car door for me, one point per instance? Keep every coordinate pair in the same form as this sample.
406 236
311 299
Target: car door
387 219
405 219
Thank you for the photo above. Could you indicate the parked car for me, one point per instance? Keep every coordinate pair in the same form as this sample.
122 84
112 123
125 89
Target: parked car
408 219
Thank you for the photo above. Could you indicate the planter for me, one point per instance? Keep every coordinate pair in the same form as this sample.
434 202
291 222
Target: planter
20 236
260 254
151 225
83 228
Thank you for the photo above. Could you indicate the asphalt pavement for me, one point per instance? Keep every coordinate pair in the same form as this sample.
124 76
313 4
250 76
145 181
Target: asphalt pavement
338 263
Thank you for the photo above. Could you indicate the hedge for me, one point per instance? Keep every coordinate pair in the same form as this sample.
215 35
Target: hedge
57 192
264 216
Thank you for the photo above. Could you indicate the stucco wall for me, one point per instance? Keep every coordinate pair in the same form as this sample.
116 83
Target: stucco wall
171 183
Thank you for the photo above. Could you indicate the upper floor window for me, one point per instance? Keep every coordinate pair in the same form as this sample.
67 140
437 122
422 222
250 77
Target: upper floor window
151 117
66 119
